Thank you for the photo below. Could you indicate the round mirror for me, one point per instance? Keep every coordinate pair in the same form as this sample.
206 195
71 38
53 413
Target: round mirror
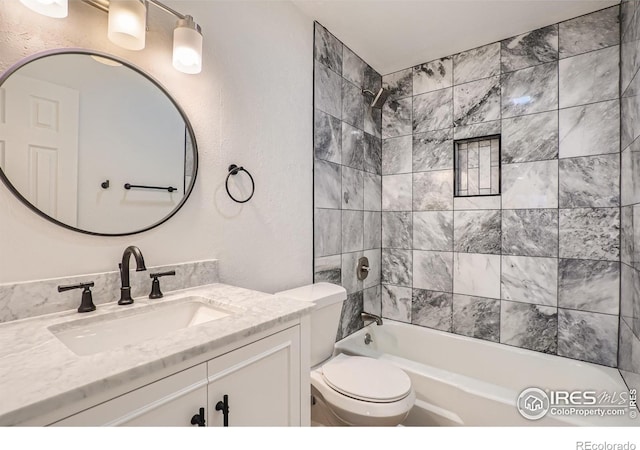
93 144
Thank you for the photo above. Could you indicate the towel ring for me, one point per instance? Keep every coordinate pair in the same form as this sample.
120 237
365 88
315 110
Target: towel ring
234 170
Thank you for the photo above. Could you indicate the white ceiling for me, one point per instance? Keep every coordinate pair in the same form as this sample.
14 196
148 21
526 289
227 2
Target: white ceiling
395 34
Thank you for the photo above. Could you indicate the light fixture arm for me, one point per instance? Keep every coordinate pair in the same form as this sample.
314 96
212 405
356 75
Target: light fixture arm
103 5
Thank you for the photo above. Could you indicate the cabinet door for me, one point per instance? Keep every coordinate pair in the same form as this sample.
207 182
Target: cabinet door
172 401
261 382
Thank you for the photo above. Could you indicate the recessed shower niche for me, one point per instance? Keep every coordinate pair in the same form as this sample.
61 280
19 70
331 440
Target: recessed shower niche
477 166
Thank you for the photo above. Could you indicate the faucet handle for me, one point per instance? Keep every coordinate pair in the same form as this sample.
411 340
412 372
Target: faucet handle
86 304
155 284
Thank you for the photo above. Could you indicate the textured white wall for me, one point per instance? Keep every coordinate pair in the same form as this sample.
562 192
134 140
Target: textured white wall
251 106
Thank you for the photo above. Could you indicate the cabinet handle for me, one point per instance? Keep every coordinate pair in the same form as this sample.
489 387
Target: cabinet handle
198 419
223 406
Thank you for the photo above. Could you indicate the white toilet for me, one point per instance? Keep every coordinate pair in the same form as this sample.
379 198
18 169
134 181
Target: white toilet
348 390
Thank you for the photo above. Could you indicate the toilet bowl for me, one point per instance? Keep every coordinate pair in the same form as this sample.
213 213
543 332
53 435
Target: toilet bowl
360 391
349 390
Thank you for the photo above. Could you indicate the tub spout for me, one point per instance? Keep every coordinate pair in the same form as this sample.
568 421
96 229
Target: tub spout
368 316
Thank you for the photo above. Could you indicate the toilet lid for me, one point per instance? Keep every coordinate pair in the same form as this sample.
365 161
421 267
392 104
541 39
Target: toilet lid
366 379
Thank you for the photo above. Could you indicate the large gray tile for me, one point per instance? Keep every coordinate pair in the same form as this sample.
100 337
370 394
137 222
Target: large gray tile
590 181
530 232
476 274
372 192
352 231
327 49
433 230
397 155
352 105
373 300
352 188
328 91
629 356
590 129
328 269
353 67
530 138
372 79
433 270
433 75
349 272
590 32
629 118
477 63
590 77
627 243
396 118
630 296
327 137
533 327
529 279
433 150
327 185
530 49
530 90
327 234
350 320
396 230
589 285
431 309
373 120
352 146
399 84
477 101
433 111
372 154
588 336
396 303
590 233
372 230
397 267
630 53
374 256
477 231
396 192
475 203
476 317
530 185
477 130
433 190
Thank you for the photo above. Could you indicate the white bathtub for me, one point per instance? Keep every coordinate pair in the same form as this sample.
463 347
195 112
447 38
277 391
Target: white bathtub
465 381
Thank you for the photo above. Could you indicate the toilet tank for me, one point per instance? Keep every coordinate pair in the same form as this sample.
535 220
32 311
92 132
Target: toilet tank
325 317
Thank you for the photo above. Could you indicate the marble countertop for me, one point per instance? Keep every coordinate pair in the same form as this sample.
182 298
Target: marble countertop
39 374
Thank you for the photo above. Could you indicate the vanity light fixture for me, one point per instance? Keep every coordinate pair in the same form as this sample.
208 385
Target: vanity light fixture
187 46
127 26
51 8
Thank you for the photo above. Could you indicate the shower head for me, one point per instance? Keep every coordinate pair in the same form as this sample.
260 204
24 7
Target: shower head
379 98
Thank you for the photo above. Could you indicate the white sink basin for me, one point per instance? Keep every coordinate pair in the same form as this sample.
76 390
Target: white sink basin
98 334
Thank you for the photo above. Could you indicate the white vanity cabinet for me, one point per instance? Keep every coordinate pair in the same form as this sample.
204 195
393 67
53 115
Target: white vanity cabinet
261 380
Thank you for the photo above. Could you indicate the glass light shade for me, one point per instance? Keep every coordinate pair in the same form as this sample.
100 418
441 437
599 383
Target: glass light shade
51 8
127 23
187 46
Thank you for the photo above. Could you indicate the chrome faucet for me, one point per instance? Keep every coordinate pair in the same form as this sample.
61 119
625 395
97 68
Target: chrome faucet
125 289
368 316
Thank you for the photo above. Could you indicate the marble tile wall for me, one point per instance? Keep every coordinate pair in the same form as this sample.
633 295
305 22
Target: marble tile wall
106 289
348 168
629 336
539 266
